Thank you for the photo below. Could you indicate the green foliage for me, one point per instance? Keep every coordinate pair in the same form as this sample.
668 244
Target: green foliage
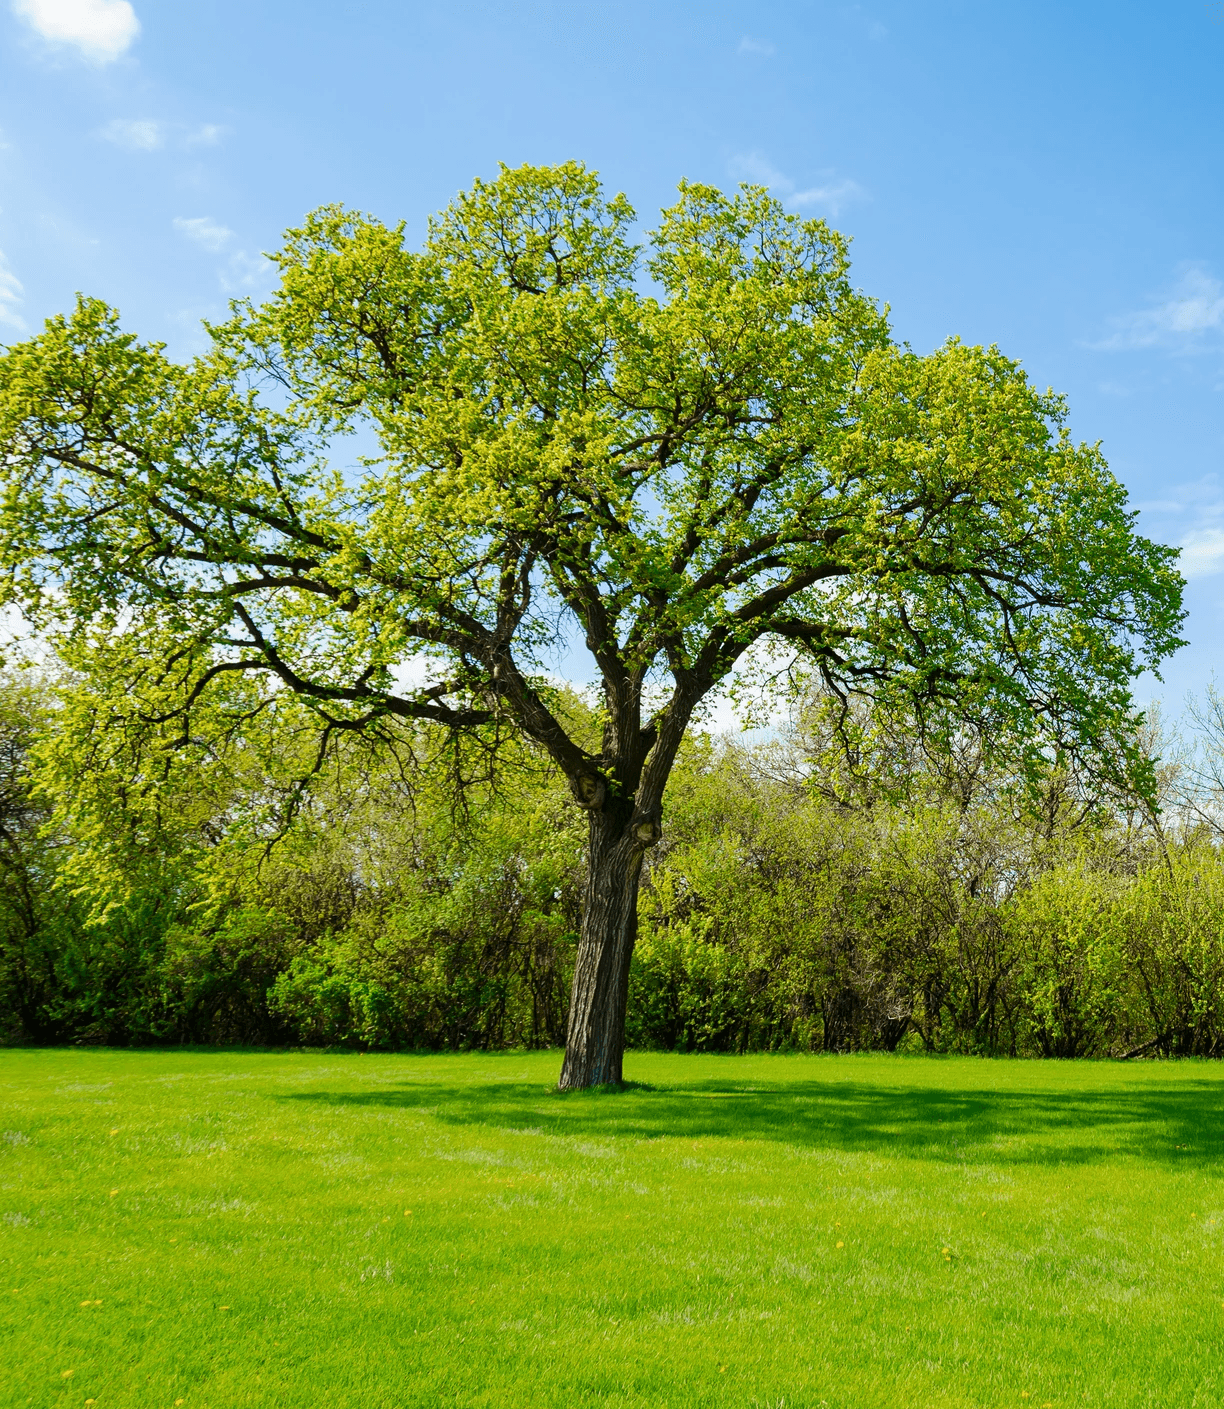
346 903
1071 963
672 452
470 946
774 918
1171 927
798 902
673 468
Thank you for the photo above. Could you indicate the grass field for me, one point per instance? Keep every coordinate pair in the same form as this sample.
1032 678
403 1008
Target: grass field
220 1229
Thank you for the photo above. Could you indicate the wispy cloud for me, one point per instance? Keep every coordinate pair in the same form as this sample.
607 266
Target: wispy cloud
763 47
751 166
831 195
208 134
148 134
203 230
1202 553
240 272
142 135
244 273
1184 321
11 295
1191 515
101 30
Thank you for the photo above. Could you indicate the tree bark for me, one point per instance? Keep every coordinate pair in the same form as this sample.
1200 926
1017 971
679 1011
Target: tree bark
595 1035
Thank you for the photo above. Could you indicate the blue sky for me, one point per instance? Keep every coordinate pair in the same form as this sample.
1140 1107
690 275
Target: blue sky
1043 176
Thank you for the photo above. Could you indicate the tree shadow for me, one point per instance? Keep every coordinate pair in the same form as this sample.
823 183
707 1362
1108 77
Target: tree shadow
1180 1125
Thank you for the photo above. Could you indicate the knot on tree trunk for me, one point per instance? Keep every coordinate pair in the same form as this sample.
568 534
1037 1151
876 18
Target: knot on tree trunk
589 790
646 831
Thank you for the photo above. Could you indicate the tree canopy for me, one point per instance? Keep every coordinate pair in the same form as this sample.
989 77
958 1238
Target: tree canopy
669 450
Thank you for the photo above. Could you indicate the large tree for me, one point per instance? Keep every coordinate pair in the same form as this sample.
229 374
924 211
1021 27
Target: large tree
669 452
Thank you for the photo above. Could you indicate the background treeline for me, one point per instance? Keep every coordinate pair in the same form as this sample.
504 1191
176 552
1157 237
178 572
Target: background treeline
796 902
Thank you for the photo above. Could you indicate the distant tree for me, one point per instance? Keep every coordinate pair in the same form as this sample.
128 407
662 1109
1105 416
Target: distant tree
674 452
24 868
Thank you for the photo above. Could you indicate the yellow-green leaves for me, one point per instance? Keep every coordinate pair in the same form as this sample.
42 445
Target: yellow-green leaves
559 442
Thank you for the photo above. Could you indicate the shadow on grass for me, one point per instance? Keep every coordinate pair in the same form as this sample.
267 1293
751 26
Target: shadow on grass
1179 1125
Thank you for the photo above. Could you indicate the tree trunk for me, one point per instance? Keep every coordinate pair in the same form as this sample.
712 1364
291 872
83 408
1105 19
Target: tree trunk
595 1037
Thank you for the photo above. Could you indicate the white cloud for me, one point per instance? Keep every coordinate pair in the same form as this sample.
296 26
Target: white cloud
1183 321
101 29
205 231
11 294
1202 553
752 166
240 273
832 196
755 46
149 135
143 135
208 134
1190 515
244 274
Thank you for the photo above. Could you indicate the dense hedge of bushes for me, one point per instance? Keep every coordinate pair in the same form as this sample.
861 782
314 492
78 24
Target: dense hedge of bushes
777 919
783 911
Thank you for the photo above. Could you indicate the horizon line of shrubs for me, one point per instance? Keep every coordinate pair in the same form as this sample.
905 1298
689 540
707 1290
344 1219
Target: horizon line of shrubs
789 908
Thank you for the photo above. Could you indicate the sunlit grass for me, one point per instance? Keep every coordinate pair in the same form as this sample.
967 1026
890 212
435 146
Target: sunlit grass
290 1230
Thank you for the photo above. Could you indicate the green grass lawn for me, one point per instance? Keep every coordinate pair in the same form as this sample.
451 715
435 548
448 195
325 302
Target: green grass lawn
217 1229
